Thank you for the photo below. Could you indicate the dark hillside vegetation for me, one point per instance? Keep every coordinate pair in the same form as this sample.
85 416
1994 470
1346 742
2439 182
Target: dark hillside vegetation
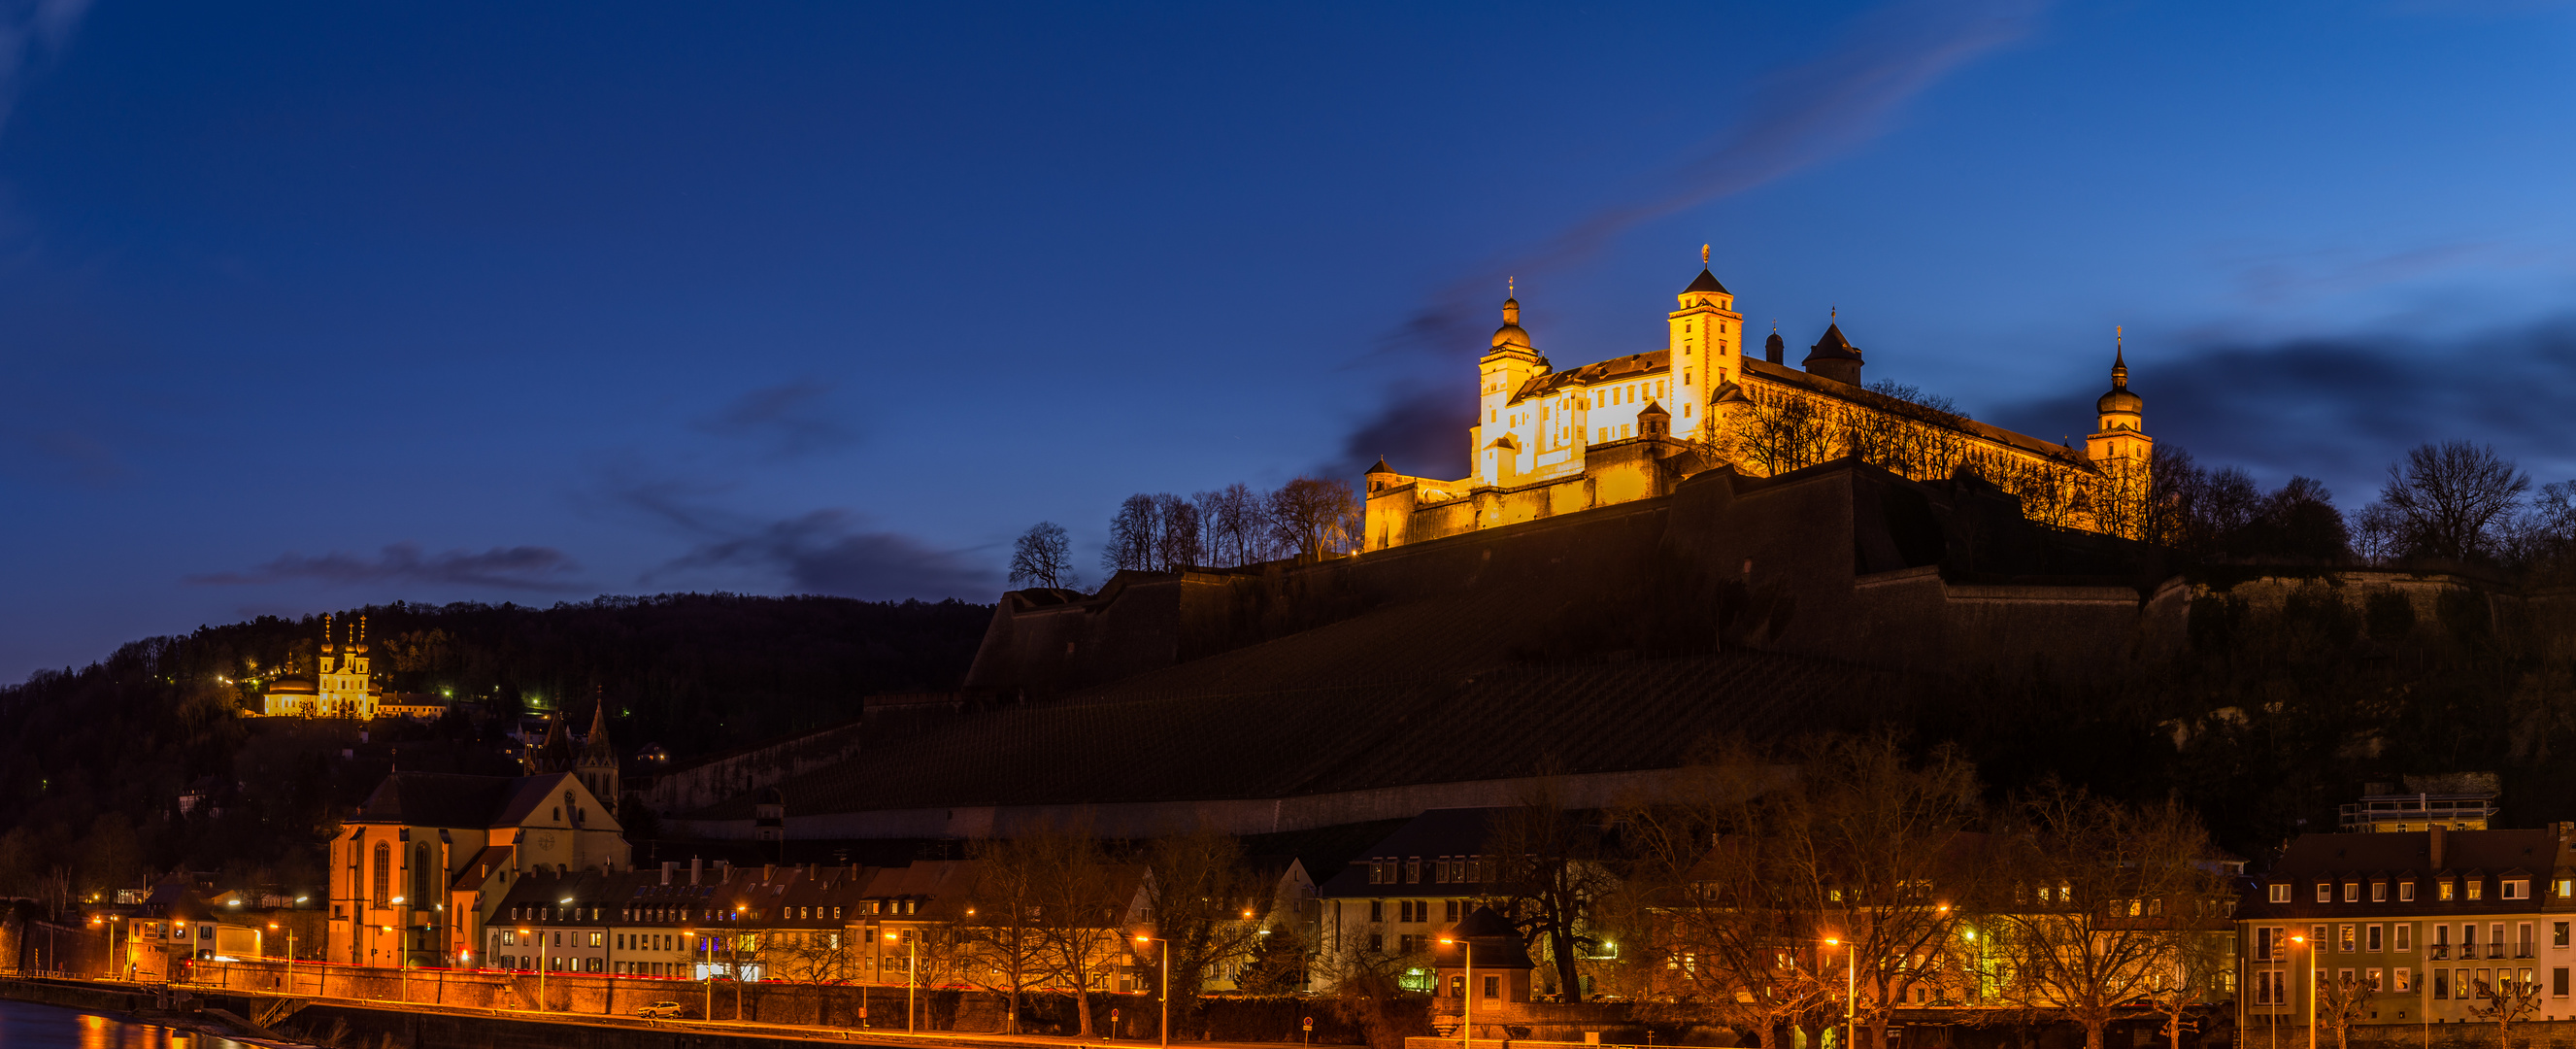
93 761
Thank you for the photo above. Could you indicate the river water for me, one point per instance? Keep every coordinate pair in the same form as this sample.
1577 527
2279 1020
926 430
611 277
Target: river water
26 1026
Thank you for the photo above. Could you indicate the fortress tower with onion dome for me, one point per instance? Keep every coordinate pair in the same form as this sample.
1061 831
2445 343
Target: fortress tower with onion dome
1548 442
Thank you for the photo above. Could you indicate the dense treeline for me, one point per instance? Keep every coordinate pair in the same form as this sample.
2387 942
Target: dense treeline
93 761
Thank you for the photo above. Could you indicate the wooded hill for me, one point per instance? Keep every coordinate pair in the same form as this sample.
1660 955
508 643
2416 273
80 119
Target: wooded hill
94 760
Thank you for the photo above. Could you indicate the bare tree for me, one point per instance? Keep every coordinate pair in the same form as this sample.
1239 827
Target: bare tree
2506 1002
1177 540
998 945
1235 521
2198 976
1042 557
2378 534
1207 904
1077 910
1783 434
1550 871
1736 930
1312 517
2451 496
2108 900
1135 536
2341 1001
1881 844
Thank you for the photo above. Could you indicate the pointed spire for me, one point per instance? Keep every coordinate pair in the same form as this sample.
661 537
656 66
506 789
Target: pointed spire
2119 357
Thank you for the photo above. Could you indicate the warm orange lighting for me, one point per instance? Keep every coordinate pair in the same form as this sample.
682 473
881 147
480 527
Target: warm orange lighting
2298 939
889 937
1247 912
1445 939
1144 939
1831 942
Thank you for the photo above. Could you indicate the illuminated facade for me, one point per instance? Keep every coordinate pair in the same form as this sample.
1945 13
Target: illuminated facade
1547 442
342 685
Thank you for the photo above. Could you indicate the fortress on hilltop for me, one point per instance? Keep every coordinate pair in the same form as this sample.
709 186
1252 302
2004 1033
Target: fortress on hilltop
1547 442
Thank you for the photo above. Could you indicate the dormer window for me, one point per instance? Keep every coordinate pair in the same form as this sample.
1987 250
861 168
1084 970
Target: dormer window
2517 889
2325 892
2379 892
2477 887
2280 892
2352 892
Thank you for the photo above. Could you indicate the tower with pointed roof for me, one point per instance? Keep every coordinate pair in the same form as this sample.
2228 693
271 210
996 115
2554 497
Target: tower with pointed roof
597 765
1833 356
1704 341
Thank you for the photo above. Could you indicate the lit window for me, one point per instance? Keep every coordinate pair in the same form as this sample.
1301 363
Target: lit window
2281 893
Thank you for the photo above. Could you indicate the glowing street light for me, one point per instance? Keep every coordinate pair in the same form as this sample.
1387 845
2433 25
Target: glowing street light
1164 1025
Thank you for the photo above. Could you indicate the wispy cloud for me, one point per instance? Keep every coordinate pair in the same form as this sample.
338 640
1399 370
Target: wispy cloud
1801 116
512 568
1420 430
2343 407
791 419
829 551
32 34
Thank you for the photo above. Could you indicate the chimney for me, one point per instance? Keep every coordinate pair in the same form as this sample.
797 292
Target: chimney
768 873
696 867
667 867
2436 846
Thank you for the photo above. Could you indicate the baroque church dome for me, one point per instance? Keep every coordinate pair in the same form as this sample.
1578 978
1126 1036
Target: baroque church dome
2119 400
1511 334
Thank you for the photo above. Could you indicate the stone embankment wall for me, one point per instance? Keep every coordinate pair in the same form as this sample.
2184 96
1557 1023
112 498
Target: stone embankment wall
355 1008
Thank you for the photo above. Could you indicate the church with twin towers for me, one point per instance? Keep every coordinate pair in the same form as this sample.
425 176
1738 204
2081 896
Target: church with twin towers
1548 442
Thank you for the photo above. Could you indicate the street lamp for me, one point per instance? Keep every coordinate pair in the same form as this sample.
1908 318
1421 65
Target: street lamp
1466 991
2312 988
911 974
1851 994
1164 1025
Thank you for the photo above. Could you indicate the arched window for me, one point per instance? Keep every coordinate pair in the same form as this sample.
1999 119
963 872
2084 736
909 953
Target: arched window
423 883
384 883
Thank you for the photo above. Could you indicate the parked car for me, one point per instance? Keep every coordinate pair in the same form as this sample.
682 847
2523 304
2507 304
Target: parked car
660 1011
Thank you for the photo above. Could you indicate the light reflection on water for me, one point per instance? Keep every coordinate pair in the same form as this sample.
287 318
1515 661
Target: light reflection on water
26 1026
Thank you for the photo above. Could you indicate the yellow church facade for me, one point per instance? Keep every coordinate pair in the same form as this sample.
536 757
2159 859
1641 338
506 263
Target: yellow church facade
1547 442
342 686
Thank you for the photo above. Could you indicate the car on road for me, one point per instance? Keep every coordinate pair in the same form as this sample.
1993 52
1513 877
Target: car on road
660 1011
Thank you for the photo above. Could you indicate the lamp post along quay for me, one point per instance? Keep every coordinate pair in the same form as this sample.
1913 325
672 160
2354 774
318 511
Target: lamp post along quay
1466 991
1163 1026
911 976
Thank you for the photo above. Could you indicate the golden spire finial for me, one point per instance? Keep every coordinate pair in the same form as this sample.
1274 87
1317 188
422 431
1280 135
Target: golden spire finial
1703 254
1511 288
2119 335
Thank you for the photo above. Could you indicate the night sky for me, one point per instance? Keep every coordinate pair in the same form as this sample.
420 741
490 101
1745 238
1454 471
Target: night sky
309 306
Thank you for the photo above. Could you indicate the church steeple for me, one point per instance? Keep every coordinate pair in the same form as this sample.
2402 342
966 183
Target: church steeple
2121 413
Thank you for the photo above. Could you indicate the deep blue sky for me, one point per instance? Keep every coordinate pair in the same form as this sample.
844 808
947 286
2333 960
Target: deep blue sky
307 306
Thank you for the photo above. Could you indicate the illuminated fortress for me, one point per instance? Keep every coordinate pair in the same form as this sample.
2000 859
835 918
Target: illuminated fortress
1547 442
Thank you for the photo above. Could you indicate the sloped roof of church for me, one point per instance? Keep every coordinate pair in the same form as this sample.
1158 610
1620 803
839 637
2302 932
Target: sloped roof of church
437 799
1706 281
